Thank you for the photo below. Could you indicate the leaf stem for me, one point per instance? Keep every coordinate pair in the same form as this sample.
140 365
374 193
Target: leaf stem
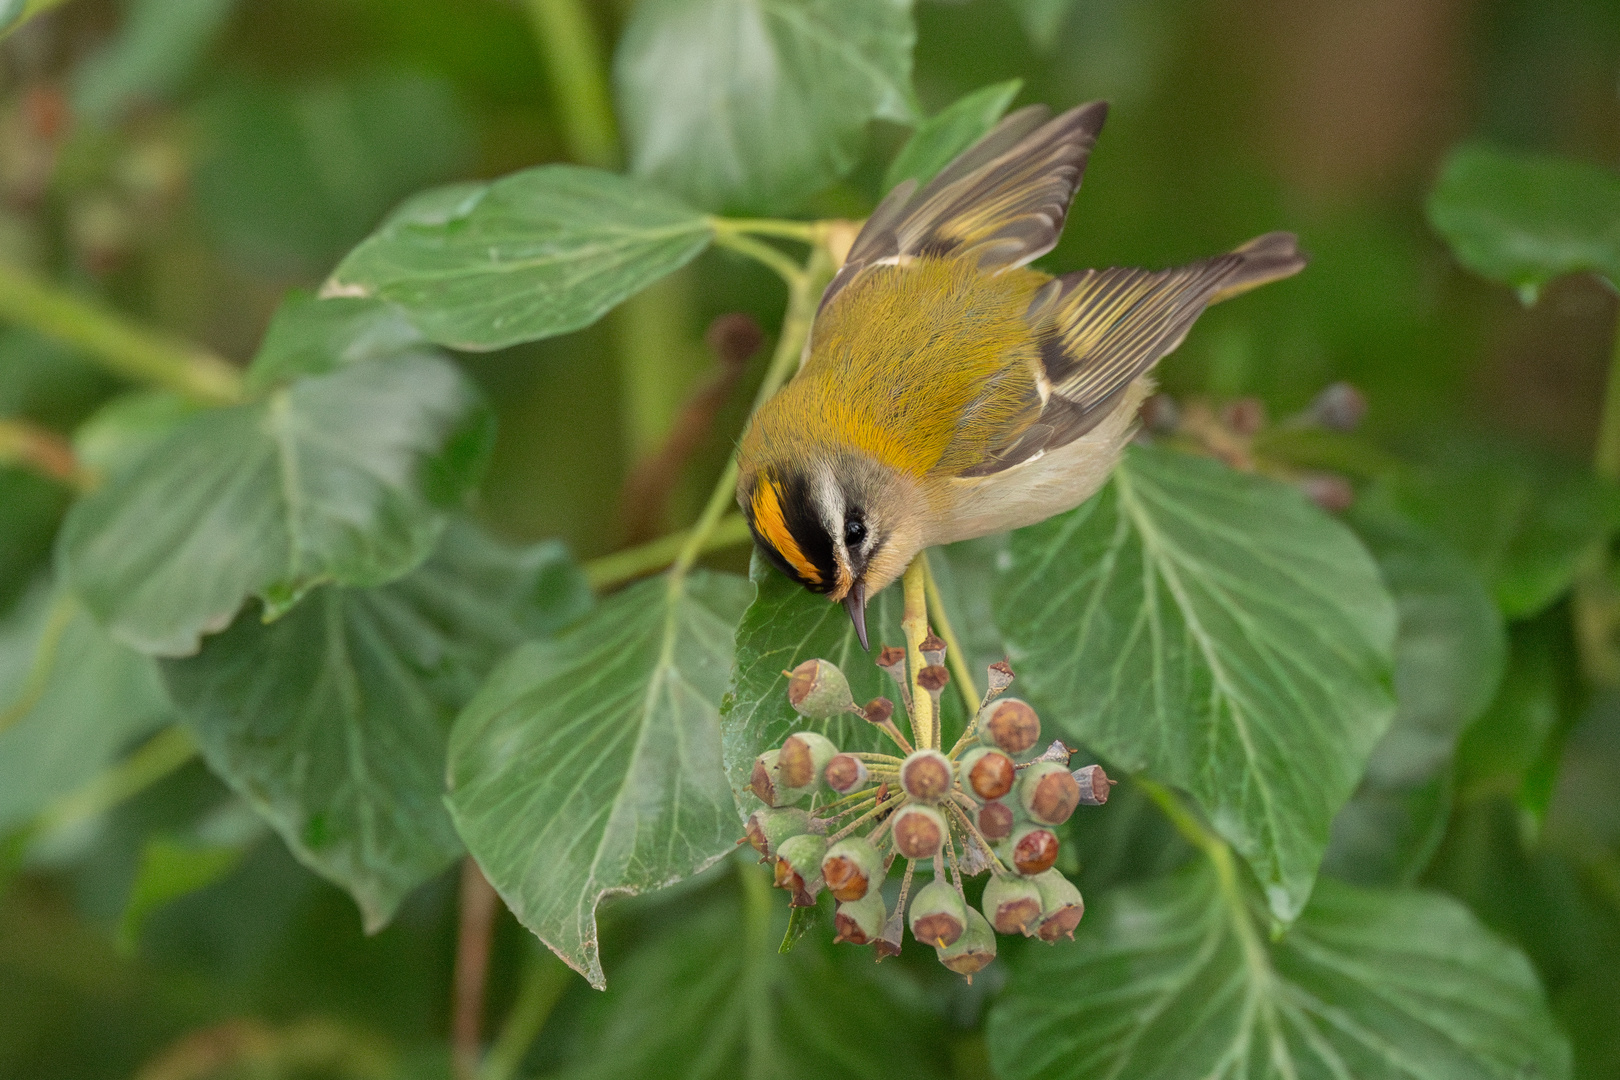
622 566
116 343
574 61
955 657
915 624
808 231
475 931
544 980
39 670
759 251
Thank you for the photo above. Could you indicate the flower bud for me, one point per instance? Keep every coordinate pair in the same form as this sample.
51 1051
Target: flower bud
986 772
803 756
1013 905
973 951
933 650
995 821
1061 906
926 775
919 831
768 828
1034 849
878 710
1048 793
845 773
851 867
1000 676
1339 407
860 922
1010 724
938 915
1093 783
817 690
798 867
766 781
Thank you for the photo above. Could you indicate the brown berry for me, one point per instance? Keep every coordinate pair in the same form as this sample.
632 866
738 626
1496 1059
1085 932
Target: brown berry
926 775
1034 850
1048 792
995 821
933 678
878 710
987 772
919 832
845 773
1012 725
802 758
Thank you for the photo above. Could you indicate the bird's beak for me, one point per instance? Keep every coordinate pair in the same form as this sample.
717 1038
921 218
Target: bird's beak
855 604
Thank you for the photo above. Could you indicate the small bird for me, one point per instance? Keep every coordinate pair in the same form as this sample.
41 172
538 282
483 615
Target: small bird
947 391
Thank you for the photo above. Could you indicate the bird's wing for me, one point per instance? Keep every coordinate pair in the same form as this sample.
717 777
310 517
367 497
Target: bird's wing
1101 329
1003 199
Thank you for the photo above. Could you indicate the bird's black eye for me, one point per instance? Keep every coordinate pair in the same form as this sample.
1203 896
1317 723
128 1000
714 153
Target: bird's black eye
854 532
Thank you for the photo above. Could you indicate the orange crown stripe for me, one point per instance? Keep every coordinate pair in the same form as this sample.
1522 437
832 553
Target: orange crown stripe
769 520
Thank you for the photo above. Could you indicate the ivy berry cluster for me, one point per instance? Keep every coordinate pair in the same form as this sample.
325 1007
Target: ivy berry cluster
837 820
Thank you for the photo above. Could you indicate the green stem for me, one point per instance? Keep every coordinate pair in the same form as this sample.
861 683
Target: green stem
39 670
1596 607
808 231
622 566
544 980
159 756
574 61
954 656
115 343
759 251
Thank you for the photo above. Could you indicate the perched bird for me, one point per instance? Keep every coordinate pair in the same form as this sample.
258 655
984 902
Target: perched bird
947 391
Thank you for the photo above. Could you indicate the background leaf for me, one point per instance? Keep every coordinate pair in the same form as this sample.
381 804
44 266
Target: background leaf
1524 219
1218 632
157 48
755 105
1366 983
532 255
307 336
953 129
1450 647
590 765
338 478
333 720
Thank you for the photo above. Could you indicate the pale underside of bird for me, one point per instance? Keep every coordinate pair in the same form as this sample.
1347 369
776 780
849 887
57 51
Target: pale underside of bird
947 391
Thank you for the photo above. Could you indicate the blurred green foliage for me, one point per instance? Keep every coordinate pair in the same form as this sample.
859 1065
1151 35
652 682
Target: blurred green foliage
204 166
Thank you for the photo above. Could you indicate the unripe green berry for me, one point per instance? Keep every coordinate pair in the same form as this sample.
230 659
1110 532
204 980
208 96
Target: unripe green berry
798 866
845 773
768 828
851 868
860 922
973 951
1061 905
995 821
817 690
1010 724
1034 849
938 915
802 757
986 772
1048 792
1013 905
926 775
919 831
766 782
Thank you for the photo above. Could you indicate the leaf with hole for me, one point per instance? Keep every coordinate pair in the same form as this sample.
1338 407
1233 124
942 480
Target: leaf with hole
333 720
342 478
532 255
1218 632
589 765
755 105
1170 980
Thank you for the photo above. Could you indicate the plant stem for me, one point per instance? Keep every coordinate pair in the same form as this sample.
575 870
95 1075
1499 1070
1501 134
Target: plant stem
116 343
159 756
622 566
574 62
758 250
61 613
476 931
1597 601
808 231
915 624
544 980
955 657
43 451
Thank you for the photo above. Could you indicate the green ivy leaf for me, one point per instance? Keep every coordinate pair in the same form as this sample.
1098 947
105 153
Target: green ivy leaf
1217 631
1450 647
32 507
71 701
128 427
1526 519
1042 19
1539 695
709 995
955 128
170 868
1167 980
532 255
339 478
590 764
755 105
1523 219
155 51
332 721
308 336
